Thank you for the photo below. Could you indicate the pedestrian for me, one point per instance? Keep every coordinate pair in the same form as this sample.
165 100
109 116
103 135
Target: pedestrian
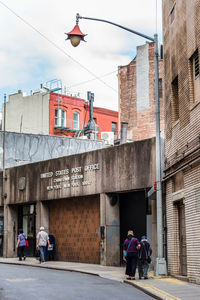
42 240
21 244
144 258
130 254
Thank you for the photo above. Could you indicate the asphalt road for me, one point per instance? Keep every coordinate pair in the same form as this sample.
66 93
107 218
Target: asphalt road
20 282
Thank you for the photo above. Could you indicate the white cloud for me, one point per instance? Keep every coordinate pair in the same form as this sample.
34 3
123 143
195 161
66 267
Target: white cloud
22 50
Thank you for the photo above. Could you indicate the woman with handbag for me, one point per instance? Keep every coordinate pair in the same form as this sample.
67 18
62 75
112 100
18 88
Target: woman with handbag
130 254
21 244
144 258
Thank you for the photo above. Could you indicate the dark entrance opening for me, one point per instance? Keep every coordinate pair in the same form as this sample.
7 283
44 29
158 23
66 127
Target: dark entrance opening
133 208
26 221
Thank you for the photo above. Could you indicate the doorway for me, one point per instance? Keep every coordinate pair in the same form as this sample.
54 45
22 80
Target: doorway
182 239
133 207
26 221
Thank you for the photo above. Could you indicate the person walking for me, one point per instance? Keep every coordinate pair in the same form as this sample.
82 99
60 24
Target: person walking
21 244
42 240
144 258
130 254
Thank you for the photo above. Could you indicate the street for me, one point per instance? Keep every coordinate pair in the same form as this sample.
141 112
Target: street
19 282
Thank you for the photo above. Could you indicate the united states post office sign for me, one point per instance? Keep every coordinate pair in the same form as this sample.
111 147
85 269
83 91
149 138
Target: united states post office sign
70 178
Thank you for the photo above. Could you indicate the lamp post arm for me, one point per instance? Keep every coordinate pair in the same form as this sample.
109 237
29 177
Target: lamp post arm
115 24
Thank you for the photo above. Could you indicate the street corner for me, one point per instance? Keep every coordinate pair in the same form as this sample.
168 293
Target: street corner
151 290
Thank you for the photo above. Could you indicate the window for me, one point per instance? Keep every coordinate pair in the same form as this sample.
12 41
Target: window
60 118
76 121
175 99
114 129
194 65
160 88
172 14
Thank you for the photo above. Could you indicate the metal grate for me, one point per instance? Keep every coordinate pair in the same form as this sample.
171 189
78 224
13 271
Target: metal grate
196 65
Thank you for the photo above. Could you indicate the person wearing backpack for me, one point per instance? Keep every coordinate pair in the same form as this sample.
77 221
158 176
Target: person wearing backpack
21 244
144 258
130 254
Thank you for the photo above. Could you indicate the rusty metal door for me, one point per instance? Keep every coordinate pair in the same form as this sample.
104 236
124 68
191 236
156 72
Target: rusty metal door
182 240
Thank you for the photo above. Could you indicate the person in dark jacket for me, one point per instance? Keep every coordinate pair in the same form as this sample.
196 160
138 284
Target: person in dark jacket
21 244
131 246
144 260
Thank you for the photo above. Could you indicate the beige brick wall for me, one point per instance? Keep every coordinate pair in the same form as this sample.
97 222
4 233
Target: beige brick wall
182 144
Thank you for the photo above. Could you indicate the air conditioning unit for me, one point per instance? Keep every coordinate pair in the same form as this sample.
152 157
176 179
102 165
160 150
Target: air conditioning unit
108 137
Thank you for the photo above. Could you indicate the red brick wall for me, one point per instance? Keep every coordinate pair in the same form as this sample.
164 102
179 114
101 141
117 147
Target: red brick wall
141 125
75 224
104 117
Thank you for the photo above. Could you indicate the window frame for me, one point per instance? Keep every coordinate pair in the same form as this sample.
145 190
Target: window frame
60 117
76 122
115 131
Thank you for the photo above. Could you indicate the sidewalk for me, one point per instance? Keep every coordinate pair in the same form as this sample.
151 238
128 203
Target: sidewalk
158 287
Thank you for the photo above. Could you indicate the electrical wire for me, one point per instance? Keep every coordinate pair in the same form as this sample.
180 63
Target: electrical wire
56 46
87 81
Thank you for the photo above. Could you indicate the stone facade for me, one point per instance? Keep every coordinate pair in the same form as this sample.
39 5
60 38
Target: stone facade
137 94
181 27
72 198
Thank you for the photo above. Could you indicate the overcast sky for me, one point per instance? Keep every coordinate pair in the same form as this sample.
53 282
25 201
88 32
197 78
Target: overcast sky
30 57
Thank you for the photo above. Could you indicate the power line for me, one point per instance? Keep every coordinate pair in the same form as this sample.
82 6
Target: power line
56 46
87 81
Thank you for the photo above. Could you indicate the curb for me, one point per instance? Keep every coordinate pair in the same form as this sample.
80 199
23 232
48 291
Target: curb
147 289
152 291
49 267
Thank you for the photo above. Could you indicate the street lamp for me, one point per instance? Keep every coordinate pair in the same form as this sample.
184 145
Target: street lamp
75 37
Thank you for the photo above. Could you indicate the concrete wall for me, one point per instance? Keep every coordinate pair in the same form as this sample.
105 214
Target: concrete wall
110 224
142 77
70 186
23 148
121 168
28 114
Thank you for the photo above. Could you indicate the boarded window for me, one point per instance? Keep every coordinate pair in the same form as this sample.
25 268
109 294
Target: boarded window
160 90
175 99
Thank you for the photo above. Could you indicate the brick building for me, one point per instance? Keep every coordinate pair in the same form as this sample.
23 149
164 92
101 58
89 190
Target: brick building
46 112
137 94
181 31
